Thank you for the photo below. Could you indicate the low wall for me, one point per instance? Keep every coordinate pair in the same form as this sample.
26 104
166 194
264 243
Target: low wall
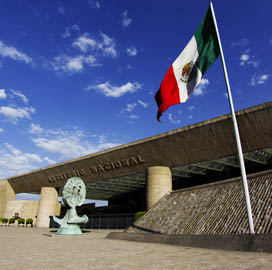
26 209
255 243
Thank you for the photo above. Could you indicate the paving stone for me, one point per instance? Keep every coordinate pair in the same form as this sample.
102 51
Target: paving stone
36 248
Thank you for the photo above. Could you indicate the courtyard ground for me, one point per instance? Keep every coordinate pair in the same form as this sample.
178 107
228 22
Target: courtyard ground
36 248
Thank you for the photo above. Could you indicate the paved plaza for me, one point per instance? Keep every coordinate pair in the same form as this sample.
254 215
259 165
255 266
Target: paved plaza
36 248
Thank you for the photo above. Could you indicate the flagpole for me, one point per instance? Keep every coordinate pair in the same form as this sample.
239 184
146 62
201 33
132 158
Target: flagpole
237 136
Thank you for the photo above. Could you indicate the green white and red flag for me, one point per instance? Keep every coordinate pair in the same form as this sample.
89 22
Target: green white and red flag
187 70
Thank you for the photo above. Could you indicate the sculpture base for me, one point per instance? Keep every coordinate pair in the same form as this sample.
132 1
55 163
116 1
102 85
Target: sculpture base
69 229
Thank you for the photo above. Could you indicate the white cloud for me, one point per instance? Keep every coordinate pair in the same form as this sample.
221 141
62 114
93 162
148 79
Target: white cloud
49 161
132 51
145 105
115 91
61 10
133 116
90 60
71 144
13 161
241 43
67 147
247 59
103 143
84 42
129 108
190 108
1 130
3 94
172 120
69 30
33 157
110 51
35 129
73 64
126 21
13 115
13 53
107 41
244 57
199 90
151 92
258 79
97 4
103 46
20 95
12 149
106 45
94 4
64 144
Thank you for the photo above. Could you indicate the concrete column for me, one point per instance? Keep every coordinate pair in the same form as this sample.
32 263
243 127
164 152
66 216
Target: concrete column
47 206
58 209
159 182
6 193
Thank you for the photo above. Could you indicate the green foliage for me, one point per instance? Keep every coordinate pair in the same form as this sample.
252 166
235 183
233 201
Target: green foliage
139 215
1 220
5 220
21 221
29 221
11 221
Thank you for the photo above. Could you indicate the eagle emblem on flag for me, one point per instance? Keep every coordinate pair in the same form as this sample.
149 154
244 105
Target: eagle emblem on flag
188 72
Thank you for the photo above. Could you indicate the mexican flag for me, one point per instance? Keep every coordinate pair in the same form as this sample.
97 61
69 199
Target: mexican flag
187 70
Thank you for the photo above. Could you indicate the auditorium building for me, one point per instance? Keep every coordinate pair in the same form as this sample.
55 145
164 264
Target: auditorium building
135 176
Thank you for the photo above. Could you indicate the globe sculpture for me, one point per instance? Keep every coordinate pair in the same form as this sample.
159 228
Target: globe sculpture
73 194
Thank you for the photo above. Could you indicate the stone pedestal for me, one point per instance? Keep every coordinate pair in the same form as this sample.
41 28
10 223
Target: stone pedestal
47 206
6 194
159 182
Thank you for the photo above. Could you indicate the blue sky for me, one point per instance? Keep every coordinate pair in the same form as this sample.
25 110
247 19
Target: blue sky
77 77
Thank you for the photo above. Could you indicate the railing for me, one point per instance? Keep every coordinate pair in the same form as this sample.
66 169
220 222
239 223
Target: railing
106 221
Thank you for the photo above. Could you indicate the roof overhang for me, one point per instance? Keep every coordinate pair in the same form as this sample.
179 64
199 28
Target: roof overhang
206 144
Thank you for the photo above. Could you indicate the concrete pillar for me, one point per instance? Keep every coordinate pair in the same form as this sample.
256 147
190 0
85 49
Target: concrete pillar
159 182
58 209
47 206
6 193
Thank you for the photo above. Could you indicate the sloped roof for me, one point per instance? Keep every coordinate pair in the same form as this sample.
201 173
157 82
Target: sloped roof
208 145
